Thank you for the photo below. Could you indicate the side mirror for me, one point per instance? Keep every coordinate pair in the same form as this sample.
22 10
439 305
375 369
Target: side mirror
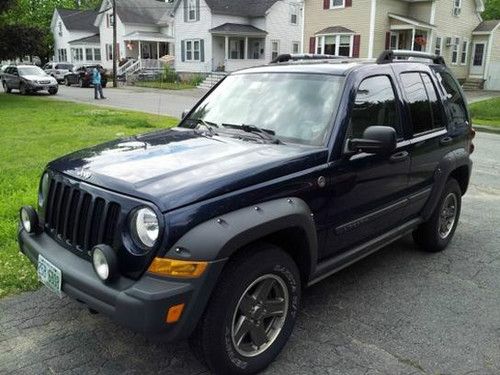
376 140
184 114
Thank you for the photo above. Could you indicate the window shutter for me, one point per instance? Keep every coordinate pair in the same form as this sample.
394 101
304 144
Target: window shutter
197 10
202 50
348 3
312 44
183 51
388 40
326 4
185 10
355 45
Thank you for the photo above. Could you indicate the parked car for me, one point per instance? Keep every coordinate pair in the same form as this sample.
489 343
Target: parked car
28 79
281 176
82 76
58 70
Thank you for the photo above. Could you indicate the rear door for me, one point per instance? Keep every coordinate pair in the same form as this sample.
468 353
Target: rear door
14 78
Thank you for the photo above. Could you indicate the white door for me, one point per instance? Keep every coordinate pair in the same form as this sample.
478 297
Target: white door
478 59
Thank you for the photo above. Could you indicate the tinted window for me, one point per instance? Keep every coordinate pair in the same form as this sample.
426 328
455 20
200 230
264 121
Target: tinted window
455 102
64 66
421 110
375 104
437 121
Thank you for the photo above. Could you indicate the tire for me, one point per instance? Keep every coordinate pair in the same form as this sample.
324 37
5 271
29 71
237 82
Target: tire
66 82
436 233
53 91
6 88
263 267
22 89
80 83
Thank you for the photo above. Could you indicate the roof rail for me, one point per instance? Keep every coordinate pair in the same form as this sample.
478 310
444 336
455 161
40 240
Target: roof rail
388 56
305 56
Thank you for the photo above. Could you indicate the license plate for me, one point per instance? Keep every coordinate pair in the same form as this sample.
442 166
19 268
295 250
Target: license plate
50 275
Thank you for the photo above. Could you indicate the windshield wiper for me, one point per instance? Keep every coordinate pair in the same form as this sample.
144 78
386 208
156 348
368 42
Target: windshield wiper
266 134
207 124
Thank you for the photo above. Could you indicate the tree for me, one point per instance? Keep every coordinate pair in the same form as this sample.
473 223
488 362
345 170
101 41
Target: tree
34 41
492 11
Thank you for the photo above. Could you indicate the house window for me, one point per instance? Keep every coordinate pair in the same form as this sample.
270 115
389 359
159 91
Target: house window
110 20
394 41
335 44
77 54
337 4
457 7
236 48
59 25
88 54
109 52
295 47
439 46
275 49
193 49
256 48
454 52
62 55
293 14
192 10
97 54
465 50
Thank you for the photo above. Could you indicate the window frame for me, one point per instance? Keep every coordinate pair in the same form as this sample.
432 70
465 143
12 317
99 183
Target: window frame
438 46
294 12
295 43
277 42
95 55
455 49
336 6
191 7
464 53
192 50
320 43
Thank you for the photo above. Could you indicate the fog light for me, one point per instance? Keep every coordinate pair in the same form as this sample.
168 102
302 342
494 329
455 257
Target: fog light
29 219
104 262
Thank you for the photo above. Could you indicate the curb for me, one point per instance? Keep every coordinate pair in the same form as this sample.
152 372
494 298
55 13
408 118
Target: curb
487 129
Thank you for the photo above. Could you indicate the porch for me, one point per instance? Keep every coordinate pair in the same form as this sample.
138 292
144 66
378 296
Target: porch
410 34
237 46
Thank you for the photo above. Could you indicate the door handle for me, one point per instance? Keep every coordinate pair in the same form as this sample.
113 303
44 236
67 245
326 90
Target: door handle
399 157
445 141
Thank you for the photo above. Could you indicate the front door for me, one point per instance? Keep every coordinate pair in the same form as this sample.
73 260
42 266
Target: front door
478 57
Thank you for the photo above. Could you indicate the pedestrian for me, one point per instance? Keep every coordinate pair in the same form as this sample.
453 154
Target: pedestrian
96 81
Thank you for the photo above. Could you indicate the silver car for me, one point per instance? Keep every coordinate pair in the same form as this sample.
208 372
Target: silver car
58 70
28 79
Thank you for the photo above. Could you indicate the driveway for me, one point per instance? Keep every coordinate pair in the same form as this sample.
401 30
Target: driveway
158 102
399 311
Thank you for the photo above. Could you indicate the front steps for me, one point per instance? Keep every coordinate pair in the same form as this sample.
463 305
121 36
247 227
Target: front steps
211 80
472 84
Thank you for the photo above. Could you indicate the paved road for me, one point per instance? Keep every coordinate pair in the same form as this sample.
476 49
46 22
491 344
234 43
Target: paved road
162 102
399 311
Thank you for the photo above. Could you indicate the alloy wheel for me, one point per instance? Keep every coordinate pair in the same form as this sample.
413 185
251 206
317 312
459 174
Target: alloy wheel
260 315
447 215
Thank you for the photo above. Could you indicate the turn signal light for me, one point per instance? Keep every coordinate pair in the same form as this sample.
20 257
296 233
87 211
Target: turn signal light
177 268
174 313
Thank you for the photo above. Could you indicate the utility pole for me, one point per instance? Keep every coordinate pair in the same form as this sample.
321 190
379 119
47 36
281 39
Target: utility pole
114 45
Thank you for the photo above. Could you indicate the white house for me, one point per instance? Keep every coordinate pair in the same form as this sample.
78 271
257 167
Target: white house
144 31
76 39
226 35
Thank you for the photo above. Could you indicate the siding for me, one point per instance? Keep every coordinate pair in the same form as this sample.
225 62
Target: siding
493 77
421 11
382 21
61 42
280 28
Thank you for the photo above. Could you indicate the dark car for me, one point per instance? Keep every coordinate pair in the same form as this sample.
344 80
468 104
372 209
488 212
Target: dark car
28 79
82 76
279 177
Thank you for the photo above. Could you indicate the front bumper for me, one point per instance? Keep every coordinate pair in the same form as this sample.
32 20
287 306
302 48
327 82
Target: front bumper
141 304
40 87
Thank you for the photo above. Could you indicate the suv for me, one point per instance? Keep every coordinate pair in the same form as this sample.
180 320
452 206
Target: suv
28 79
279 177
58 70
82 76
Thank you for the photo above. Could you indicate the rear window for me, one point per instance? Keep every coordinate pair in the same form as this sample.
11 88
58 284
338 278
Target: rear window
454 100
64 66
422 101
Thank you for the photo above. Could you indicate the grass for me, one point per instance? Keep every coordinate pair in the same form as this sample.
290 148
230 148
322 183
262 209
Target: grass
486 112
165 85
33 131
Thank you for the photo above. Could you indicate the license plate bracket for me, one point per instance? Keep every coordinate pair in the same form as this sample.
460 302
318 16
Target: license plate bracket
49 275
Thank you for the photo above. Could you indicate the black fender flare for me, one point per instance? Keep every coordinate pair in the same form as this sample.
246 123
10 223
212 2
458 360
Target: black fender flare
220 237
450 162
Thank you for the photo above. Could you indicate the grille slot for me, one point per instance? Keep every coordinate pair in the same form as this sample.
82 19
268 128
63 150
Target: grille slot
79 219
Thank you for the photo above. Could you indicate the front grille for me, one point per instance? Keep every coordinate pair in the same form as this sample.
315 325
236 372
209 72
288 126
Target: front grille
44 82
78 218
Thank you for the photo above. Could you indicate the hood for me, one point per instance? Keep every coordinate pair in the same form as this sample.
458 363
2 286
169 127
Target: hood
34 77
177 167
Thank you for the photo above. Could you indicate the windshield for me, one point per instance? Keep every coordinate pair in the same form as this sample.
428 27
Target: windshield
31 71
296 107
64 66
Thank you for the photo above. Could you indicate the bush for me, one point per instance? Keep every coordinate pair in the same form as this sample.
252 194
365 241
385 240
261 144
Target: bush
196 79
169 75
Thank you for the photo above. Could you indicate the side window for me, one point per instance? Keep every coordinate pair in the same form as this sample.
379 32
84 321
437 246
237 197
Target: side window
375 104
455 102
424 108
437 118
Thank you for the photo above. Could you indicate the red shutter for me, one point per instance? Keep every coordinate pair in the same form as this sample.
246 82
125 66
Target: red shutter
355 45
348 3
312 44
387 40
326 4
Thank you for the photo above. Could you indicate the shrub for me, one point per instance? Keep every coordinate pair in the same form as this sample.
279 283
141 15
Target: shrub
169 74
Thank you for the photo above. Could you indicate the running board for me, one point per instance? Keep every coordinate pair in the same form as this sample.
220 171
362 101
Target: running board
345 259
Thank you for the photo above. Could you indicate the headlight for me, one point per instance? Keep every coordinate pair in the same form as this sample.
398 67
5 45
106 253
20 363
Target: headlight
145 227
44 189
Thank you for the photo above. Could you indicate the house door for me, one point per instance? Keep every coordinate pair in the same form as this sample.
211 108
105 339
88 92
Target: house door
478 57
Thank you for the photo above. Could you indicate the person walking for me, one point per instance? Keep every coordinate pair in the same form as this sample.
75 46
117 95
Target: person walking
96 81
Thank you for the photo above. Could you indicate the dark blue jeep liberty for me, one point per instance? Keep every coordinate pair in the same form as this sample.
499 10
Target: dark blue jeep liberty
279 177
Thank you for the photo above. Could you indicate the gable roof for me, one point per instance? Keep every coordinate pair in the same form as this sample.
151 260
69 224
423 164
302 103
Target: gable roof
237 28
335 30
76 19
143 11
93 39
486 26
242 8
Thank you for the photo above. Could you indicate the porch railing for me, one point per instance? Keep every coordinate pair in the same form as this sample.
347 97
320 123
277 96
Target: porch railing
125 67
151 64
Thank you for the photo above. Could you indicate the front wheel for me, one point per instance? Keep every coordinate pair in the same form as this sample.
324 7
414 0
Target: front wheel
436 233
80 83
22 89
67 82
251 313
53 91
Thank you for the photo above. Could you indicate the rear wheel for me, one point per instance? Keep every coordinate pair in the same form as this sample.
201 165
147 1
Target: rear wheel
251 313
436 233
6 88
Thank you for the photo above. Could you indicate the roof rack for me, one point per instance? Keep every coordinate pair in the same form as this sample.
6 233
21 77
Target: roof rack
388 56
304 56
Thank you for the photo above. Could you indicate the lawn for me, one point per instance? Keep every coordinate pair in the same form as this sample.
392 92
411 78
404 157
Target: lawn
35 130
486 112
165 85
